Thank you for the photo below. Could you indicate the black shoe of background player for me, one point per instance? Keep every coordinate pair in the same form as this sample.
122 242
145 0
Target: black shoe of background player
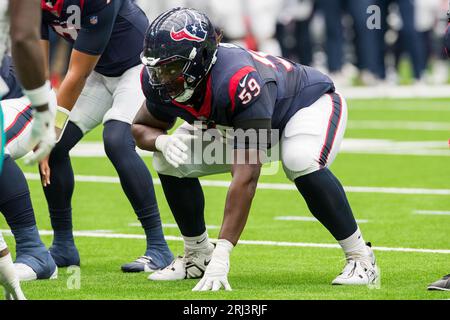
442 284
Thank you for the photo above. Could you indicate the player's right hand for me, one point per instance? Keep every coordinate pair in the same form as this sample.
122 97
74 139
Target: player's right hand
43 135
174 147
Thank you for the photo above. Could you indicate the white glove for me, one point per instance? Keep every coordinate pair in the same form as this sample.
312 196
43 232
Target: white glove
216 274
9 280
174 147
43 135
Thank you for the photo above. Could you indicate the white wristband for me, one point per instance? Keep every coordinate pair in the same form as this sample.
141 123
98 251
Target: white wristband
40 96
223 248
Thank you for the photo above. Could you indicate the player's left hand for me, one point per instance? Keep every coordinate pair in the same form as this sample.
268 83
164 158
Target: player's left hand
43 134
216 274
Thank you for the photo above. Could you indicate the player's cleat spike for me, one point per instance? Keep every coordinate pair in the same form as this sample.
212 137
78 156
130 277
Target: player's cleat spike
65 255
191 266
359 270
26 273
442 284
141 264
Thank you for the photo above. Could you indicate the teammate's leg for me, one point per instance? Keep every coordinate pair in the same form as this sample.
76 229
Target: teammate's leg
307 151
32 259
59 198
134 176
88 113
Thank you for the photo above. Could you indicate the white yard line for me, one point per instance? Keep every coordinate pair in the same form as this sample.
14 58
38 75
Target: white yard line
109 235
308 219
268 186
170 225
432 212
352 146
399 125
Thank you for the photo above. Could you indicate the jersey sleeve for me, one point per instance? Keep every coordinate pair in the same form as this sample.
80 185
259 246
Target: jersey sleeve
255 117
155 109
96 29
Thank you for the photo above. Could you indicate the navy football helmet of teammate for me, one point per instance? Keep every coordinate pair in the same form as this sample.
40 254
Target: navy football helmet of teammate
180 48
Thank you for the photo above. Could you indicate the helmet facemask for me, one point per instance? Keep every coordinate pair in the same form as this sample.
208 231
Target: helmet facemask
175 75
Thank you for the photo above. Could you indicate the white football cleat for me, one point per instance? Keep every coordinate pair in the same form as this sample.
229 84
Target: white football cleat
190 266
174 271
26 273
359 270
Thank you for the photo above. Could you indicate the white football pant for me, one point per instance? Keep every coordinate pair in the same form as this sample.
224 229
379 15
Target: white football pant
310 141
18 122
108 98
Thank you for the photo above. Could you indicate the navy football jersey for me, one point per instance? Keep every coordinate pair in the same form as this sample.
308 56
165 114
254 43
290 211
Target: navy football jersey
114 29
8 74
246 89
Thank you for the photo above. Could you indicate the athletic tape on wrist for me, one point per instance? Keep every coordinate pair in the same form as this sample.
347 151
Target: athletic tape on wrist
40 96
61 120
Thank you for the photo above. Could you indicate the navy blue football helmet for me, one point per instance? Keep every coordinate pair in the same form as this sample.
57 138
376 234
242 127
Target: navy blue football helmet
180 48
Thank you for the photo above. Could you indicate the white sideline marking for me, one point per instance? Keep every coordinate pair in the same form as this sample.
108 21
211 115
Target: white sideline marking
398 125
93 234
312 219
432 212
267 186
170 225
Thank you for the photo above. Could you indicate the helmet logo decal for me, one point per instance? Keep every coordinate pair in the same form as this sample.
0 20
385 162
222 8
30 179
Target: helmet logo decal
191 32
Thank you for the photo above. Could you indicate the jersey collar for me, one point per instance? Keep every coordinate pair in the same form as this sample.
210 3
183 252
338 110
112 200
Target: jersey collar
55 9
205 110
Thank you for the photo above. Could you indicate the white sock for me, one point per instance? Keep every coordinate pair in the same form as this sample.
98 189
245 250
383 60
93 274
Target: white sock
200 242
354 244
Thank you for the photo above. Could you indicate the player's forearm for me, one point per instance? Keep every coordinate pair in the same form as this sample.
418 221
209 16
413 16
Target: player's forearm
25 43
145 136
238 203
70 90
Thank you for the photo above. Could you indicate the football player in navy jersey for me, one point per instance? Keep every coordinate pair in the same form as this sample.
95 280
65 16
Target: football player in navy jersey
23 17
101 87
188 75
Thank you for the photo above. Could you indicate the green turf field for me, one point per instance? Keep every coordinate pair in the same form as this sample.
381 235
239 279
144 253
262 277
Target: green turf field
412 176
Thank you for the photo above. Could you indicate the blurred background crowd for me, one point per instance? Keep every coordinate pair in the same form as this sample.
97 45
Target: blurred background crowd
357 42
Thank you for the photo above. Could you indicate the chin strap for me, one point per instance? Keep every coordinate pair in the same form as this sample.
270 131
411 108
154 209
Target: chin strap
188 91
